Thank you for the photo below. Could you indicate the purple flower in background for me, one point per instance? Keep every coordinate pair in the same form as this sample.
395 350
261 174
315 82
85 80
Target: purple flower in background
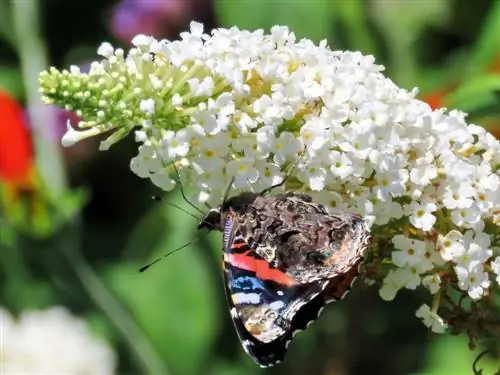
150 17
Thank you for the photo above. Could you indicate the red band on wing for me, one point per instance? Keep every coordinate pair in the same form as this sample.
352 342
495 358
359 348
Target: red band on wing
261 268
238 245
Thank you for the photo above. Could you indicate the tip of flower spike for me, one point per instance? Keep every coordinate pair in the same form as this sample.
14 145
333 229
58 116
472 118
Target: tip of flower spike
70 137
73 136
105 50
142 40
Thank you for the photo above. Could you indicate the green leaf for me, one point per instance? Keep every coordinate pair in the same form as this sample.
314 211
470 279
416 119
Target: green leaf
353 15
174 300
486 48
11 81
147 234
475 94
449 355
400 23
311 19
27 295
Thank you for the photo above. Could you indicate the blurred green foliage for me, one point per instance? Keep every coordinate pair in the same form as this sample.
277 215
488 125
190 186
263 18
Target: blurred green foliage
173 319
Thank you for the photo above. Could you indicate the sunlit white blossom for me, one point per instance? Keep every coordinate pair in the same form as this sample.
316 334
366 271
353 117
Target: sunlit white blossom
432 282
422 215
431 319
473 279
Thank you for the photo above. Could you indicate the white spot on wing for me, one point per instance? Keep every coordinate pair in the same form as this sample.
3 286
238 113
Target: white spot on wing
234 313
277 305
280 293
252 298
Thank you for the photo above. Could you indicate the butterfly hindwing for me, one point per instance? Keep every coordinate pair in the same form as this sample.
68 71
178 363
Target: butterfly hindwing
266 305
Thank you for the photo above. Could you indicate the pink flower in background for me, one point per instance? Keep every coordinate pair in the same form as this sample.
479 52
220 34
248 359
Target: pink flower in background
150 17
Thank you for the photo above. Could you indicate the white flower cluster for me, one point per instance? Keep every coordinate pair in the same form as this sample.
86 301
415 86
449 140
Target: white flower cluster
245 106
51 342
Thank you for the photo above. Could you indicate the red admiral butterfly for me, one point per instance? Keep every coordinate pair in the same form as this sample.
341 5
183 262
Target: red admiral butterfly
284 258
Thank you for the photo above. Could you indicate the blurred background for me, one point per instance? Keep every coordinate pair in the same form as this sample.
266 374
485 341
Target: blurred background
76 224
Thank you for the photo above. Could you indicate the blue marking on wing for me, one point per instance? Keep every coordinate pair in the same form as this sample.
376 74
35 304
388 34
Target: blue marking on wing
227 231
246 283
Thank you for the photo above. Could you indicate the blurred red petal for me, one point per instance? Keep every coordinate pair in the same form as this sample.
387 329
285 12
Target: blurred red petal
16 149
435 99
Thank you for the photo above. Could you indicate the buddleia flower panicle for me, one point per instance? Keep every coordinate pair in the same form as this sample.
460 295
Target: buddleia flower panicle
244 106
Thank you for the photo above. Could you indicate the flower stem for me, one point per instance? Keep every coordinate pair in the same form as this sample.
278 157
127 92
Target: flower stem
140 346
33 59
436 301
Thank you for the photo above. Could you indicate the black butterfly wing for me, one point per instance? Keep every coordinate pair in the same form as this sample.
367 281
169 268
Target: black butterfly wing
266 305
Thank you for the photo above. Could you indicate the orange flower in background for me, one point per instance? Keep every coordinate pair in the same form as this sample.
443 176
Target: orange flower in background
16 150
436 99
17 169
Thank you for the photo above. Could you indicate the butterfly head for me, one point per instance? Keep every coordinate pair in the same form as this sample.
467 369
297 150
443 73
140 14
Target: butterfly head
212 220
215 218
239 202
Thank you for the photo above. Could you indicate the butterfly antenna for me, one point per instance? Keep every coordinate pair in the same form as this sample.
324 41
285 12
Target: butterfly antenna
183 194
228 189
144 268
157 198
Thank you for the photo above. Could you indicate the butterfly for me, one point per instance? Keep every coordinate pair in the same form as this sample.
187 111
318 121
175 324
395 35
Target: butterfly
284 258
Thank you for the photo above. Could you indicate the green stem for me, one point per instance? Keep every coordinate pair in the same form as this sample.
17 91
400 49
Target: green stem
5 23
140 346
436 302
33 59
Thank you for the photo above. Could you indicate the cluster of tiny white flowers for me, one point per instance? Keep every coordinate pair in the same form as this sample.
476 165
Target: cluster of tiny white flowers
431 319
51 342
244 107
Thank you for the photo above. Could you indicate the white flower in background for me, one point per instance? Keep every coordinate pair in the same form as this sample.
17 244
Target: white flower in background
432 282
451 246
431 319
387 210
246 107
243 171
473 279
52 342
391 285
411 253
421 215
459 196
341 165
